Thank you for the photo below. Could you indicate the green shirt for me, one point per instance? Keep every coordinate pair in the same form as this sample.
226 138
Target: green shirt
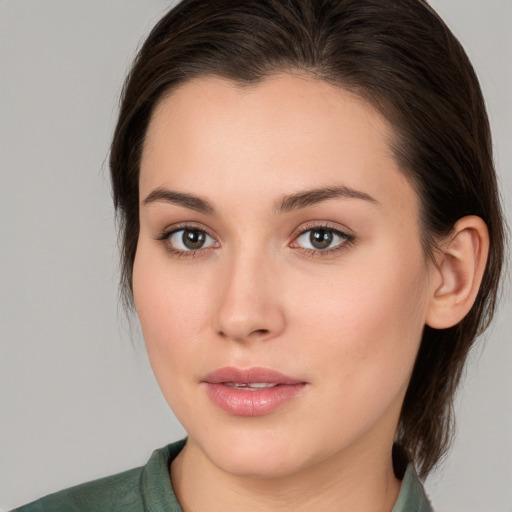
148 489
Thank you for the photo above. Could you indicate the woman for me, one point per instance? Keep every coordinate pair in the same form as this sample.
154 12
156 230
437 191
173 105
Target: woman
312 239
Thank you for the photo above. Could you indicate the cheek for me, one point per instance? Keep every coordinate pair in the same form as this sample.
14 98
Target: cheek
172 309
368 321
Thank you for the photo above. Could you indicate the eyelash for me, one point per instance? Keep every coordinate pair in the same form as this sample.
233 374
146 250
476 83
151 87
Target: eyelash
346 240
166 235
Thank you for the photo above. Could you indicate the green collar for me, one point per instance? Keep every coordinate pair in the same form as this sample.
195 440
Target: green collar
159 495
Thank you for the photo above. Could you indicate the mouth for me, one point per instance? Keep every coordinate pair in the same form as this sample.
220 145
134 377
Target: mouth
252 391
250 385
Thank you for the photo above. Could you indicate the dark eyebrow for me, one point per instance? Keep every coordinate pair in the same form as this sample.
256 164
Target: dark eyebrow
286 204
190 201
317 195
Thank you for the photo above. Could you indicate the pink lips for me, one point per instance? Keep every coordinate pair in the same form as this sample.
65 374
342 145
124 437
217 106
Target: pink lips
250 392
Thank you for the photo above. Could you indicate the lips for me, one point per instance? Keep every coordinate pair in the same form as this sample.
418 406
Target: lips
251 392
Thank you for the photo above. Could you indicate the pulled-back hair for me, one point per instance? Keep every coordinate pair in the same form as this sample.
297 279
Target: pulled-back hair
399 56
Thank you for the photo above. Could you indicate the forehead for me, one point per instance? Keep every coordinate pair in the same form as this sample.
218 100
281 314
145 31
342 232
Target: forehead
287 108
284 132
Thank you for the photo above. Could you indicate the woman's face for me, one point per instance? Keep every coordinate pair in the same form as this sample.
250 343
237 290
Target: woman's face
279 277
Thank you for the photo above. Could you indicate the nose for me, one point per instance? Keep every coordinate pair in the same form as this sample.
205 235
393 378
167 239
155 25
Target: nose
248 307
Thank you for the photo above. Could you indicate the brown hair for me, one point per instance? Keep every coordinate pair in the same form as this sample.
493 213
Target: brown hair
400 56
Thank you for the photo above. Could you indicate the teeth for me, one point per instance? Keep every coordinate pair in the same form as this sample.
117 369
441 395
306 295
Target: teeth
261 385
251 385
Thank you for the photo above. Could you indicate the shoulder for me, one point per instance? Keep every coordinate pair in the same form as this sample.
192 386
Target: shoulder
137 490
117 492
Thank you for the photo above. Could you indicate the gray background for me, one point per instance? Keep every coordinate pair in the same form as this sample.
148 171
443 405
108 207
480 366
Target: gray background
77 397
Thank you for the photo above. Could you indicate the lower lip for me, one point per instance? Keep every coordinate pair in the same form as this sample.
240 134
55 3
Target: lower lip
252 402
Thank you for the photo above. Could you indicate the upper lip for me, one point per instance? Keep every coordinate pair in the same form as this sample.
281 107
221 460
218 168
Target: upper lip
254 374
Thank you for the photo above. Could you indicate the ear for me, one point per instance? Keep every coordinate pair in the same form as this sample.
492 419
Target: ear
460 265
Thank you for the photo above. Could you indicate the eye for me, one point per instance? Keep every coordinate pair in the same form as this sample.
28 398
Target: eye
322 238
188 240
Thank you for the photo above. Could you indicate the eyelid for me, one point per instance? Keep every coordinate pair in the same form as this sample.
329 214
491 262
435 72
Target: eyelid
345 233
347 236
167 233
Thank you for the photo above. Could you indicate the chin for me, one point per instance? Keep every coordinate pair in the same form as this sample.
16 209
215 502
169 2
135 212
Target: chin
253 454
253 464
263 454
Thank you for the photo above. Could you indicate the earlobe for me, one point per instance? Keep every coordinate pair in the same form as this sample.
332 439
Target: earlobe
461 262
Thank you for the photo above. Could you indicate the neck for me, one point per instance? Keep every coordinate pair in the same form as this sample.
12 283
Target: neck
363 482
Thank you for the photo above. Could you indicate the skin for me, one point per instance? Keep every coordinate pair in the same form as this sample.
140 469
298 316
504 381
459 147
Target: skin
347 322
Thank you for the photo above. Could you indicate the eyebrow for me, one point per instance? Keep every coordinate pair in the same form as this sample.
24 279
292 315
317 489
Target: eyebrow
190 201
312 197
288 203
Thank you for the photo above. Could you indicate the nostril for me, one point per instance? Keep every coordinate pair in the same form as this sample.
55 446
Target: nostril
261 331
257 333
